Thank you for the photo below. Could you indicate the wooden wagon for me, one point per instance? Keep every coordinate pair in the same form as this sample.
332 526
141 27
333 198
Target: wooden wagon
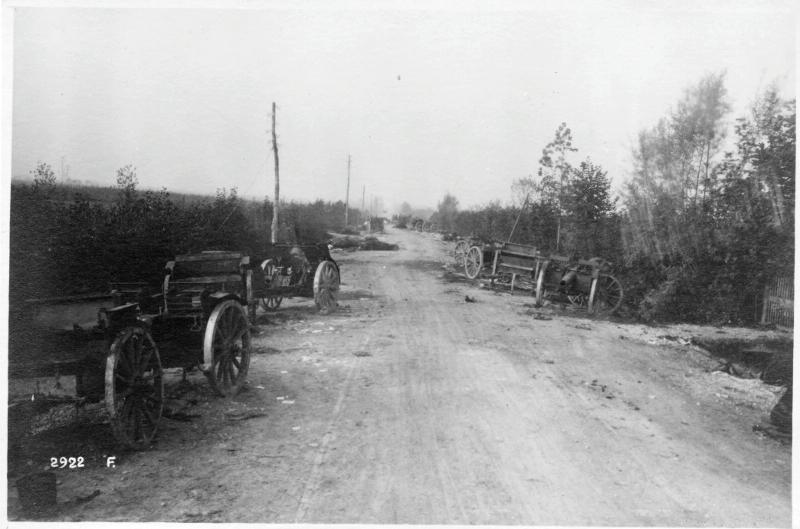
118 344
287 270
586 283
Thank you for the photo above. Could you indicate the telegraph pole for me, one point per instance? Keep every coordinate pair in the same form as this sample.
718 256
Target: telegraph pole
347 196
274 231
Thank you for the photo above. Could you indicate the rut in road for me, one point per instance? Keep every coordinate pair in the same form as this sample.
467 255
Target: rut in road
463 446
473 422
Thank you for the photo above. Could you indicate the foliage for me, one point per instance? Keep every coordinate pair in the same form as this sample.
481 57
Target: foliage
446 212
698 232
567 209
672 180
44 178
590 225
127 181
76 244
714 228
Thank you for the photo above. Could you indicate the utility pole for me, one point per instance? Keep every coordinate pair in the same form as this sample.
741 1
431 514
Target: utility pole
363 191
274 231
369 215
347 196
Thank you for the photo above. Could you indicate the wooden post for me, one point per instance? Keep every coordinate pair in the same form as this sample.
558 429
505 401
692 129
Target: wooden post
347 196
275 206
524 205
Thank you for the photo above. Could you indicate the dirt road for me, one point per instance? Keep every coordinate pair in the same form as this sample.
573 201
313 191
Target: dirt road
410 405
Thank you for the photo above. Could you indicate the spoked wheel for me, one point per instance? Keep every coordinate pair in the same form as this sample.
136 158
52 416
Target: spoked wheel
605 296
326 286
134 387
473 262
226 348
271 302
540 290
460 252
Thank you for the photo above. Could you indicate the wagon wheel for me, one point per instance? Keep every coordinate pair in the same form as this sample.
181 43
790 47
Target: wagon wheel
134 387
271 302
540 290
473 262
226 348
326 286
605 296
460 252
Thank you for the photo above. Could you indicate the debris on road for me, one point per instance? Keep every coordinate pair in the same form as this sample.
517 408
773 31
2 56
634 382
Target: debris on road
538 315
680 340
85 499
773 431
469 299
244 415
182 416
367 243
372 243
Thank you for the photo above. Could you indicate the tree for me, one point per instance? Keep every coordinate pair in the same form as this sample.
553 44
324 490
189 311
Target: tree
672 175
588 206
554 170
44 179
446 212
714 228
767 154
127 181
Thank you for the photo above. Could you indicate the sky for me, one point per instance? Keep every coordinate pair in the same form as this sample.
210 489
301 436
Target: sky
427 98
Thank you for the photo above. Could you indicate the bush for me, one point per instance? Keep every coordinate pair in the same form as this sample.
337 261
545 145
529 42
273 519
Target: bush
64 243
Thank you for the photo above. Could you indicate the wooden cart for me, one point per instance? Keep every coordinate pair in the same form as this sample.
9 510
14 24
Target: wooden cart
287 270
586 283
118 344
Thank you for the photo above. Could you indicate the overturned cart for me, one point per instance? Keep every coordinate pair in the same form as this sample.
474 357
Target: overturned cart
586 283
117 344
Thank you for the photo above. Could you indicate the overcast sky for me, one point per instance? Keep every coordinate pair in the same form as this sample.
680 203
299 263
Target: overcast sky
427 101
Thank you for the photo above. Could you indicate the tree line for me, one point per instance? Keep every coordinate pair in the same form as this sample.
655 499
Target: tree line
704 220
64 243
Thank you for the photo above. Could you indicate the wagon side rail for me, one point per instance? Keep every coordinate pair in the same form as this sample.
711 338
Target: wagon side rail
194 283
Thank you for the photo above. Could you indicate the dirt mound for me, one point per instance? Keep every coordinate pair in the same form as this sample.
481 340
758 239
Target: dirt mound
372 243
346 243
367 243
